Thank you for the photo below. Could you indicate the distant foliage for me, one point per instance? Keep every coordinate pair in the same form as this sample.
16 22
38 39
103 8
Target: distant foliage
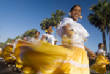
53 21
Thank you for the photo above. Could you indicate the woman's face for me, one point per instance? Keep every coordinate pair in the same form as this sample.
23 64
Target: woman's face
50 30
76 13
102 45
37 34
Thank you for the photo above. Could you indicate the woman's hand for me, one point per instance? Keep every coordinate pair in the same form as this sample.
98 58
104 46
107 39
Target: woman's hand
68 31
91 55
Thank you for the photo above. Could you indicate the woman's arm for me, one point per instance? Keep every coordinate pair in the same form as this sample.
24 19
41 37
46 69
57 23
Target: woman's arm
91 54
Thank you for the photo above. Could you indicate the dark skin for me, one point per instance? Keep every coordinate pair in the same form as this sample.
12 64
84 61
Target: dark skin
75 14
66 31
49 31
101 47
37 34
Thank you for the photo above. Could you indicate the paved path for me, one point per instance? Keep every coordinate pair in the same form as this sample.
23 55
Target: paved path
4 69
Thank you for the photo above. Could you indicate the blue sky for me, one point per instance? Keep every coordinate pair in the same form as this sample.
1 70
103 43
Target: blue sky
18 16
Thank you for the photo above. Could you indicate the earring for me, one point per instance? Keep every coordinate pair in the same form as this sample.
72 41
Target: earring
80 17
46 30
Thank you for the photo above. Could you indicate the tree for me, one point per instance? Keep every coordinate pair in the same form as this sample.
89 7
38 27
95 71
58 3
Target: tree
30 33
54 20
108 22
57 17
9 40
98 18
18 37
2 45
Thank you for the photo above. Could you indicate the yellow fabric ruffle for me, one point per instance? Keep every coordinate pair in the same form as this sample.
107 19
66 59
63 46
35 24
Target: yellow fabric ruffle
100 64
50 59
7 53
77 63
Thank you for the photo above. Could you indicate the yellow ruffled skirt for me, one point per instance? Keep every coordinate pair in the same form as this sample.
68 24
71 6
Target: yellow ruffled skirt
100 64
45 58
7 53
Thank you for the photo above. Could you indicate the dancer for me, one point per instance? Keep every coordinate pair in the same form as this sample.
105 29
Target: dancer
100 49
101 61
73 37
36 38
48 37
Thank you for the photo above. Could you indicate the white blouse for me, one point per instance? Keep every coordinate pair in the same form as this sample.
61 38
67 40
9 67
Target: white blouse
80 33
101 51
50 38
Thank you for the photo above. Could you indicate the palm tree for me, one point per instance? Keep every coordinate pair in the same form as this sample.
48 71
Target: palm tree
108 32
54 20
108 22
98 18
29 33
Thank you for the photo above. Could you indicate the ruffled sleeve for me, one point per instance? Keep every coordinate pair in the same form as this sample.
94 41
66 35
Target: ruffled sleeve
76 27
84 32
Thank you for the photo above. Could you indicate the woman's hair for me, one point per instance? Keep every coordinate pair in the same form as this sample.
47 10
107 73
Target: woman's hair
99 45
74 7
37 32
47 27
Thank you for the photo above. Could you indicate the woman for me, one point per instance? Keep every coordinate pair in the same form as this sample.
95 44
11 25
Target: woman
69 58
36 37
73 36
101 61
100 49
48 37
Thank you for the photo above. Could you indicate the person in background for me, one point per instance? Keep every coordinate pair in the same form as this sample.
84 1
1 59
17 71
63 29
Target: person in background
25 38
36 37
101 49
101 61
1 50
48 37
37 34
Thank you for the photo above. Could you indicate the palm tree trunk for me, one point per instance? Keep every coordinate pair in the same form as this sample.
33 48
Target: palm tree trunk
104 41
109 41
